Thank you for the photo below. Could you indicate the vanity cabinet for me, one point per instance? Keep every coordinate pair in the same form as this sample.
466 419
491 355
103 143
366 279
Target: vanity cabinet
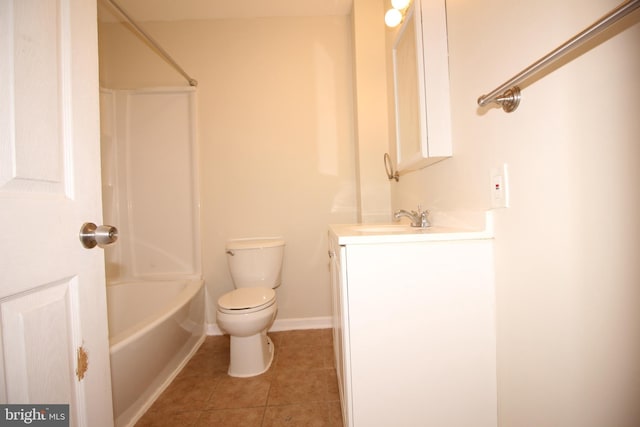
414 332
341 352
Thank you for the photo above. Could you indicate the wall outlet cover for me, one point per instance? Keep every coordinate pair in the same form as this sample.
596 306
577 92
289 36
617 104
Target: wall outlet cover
499 187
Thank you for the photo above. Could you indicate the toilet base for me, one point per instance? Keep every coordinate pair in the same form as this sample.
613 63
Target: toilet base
250 356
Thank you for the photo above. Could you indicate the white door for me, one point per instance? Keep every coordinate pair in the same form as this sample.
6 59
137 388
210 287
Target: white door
54 339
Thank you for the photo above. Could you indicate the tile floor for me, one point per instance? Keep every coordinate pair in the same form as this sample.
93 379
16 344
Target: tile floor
300 388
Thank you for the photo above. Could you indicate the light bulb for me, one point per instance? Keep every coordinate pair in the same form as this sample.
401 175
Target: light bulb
393 17
400 4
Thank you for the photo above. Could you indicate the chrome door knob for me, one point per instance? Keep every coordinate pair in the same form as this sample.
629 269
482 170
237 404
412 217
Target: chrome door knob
102 235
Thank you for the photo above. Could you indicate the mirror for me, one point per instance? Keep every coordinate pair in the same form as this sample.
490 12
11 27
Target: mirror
421 86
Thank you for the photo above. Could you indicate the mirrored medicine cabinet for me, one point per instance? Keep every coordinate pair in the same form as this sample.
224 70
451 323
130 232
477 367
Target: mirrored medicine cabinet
421 86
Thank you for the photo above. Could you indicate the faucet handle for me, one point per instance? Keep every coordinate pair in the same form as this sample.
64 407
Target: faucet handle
424 221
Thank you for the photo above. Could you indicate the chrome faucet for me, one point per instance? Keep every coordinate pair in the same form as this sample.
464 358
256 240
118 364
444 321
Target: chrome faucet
418 219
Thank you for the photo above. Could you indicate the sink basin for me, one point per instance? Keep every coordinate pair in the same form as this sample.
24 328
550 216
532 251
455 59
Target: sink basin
386 228
444 228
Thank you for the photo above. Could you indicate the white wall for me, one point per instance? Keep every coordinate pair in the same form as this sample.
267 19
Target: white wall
568 248
275 133
371 115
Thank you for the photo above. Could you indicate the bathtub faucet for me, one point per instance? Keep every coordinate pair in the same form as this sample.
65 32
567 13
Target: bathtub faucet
418 219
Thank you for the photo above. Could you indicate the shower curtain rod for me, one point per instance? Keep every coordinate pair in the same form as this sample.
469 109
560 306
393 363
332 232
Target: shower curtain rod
143 33
508 94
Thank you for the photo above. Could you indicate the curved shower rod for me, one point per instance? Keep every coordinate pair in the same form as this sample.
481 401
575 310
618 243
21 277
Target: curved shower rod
143 33
508 93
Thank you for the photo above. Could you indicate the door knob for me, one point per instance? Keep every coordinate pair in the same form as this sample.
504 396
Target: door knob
101 235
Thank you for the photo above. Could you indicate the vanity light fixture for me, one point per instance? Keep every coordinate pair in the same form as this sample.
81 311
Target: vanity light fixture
395 15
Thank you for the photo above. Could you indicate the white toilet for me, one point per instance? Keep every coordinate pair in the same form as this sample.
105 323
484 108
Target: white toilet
248 311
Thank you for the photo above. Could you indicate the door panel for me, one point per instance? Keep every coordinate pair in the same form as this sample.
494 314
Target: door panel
52 290
38 368
32 150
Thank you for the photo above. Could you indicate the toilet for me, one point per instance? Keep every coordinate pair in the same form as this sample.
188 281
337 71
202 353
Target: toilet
247 312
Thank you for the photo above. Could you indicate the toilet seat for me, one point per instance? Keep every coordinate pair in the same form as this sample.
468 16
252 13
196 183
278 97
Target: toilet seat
246 300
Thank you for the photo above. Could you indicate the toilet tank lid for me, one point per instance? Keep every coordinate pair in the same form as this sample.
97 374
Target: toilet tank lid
254 243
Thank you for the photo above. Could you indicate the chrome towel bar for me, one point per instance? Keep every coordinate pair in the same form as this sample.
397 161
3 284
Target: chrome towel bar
508 93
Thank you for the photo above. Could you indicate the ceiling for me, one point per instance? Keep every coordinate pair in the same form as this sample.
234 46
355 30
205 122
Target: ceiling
177 10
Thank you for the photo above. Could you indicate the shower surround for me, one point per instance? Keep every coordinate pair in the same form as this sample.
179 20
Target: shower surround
154 284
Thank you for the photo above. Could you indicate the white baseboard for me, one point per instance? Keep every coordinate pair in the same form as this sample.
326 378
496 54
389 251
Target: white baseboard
285 325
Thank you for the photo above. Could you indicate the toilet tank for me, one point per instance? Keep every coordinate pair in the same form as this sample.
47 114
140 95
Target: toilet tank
255 261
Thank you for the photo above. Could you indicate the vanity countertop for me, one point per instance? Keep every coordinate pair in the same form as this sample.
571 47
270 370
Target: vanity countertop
348 234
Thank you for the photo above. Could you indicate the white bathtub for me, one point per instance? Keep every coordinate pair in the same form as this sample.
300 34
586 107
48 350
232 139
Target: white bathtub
154 329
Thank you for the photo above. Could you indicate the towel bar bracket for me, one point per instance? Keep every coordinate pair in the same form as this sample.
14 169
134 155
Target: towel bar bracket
509 100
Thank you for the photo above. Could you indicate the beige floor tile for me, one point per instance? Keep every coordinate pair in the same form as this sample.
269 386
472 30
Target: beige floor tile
329 357
335 413
277 338
300 357
186 394
239 393
300 389
207 362
315 337
298 386
240 417
333 391
216 343
299 415
163 419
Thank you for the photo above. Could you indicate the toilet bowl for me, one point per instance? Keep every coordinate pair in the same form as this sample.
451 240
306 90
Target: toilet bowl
247 312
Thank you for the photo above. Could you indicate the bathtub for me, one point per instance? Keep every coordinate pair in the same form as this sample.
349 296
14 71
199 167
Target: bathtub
154 329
